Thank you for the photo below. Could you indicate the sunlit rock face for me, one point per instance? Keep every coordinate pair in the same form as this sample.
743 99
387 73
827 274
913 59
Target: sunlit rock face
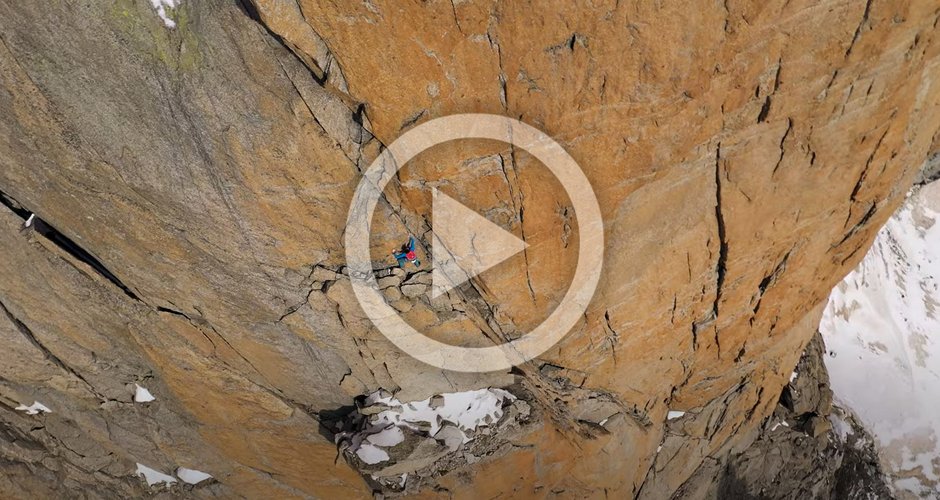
186 169
882 330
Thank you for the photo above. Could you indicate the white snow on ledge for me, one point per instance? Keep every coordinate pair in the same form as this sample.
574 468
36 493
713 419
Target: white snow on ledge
672 415
34 409
371 454
142 395
467 410
778 424
161 6
190 476
153 476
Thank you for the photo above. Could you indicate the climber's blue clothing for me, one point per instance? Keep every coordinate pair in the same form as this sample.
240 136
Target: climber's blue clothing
400 257
407 254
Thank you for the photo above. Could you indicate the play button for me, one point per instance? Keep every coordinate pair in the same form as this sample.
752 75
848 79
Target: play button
465 244
471 244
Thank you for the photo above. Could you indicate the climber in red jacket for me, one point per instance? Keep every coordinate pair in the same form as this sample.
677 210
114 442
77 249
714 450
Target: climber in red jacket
407 254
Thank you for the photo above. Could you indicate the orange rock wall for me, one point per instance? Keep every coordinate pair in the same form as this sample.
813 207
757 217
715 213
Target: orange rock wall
743 153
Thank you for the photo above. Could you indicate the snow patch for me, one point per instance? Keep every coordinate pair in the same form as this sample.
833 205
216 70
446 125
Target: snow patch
153 476
142 395
468 410
163 9
29 221
842 428
191 476
880 328
34 409
793 376
778 424
371 454
387 437
672 415
459 413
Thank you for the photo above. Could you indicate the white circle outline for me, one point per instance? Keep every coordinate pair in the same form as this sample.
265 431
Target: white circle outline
563 167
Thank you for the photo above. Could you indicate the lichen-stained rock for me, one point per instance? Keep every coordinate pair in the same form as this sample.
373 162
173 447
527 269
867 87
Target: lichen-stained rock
192 185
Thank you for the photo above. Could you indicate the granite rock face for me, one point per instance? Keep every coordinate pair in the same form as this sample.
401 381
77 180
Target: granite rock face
808 447
187 188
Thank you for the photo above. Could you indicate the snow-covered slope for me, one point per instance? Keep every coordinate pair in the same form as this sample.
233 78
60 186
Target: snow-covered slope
882 330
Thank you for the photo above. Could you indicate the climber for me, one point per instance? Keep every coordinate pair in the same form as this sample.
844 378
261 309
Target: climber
407 254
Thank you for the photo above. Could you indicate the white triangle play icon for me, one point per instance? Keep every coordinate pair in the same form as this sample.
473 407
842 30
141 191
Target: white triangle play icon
465 244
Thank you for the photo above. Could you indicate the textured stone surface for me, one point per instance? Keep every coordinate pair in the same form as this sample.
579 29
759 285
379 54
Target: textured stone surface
799 454
744 154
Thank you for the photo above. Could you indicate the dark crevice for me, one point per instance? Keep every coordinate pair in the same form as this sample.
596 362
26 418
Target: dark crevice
769 280
858 30
835 74
853 197
783 139
14 206
764 110
575 38
172 311
613 337
65 243
851 255
322 288
249 9
358 115
721 264
741 354
412 119
858 225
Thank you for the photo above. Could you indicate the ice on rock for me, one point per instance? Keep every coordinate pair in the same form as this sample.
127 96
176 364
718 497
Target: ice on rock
371 454
672 415
142 395
191 476
842 428
34 408
390 436
162 7
469 410
451 418
153 476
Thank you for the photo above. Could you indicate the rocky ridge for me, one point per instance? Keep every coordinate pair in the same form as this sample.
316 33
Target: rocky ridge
808 447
